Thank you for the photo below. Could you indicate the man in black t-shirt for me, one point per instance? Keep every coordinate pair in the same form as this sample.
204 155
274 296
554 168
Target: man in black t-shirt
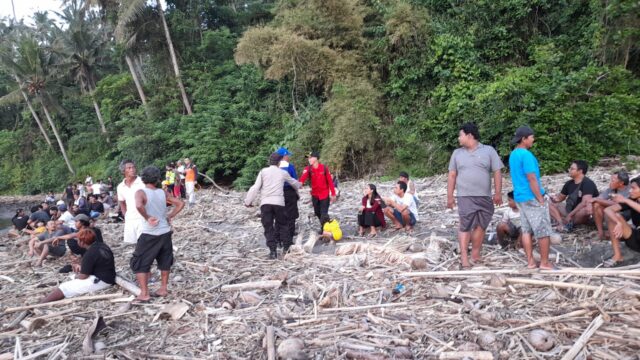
20 221
576 195
619 229
96 272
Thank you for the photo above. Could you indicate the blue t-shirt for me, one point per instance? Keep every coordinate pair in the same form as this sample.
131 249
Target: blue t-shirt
292 171
521 163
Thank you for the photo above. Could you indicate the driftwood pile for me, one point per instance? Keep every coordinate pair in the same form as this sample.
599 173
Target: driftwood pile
396 296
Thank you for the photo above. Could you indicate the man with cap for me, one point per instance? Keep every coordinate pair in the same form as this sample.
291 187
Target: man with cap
270 185
127 200
290 196
471 168
529 197
323 192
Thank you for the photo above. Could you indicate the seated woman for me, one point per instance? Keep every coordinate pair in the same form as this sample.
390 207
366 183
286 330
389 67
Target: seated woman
96 272
370 215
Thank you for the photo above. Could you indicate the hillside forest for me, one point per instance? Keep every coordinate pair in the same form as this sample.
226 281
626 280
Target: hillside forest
376 86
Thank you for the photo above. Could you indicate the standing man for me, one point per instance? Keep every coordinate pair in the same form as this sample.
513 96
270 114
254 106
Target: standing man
470 170
127 200
323 192
529 196
155 241
190 179
290 195
270 185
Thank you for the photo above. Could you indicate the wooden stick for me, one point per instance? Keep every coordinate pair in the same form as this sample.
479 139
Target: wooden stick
265 284
271 343
127 285
564 285
584 338
546 321
311 242
44 351
572 271
476 355
63 302
365 307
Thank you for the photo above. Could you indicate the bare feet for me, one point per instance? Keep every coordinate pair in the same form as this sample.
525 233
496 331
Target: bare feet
548 266
142 299
532 265
160 293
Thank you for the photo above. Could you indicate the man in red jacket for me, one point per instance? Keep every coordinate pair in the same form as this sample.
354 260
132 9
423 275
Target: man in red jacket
321 185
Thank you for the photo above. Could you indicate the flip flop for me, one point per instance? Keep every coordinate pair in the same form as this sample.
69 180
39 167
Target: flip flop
610 263
554 267
462 267
140 302
395 229
371 236
154 294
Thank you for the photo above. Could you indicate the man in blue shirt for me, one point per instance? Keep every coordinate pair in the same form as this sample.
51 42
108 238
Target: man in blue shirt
290 194
529 197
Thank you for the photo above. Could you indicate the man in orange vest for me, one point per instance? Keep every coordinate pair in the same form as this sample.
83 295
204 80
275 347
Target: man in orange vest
190 178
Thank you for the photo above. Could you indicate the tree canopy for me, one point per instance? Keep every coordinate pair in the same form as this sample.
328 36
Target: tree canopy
374 85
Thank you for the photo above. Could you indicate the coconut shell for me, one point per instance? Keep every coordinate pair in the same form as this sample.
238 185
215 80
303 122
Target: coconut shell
487 340
292 348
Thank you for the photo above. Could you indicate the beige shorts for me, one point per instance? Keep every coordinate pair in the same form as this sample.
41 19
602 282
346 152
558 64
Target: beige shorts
77 287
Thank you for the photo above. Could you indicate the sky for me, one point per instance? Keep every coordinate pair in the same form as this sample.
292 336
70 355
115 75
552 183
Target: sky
26 8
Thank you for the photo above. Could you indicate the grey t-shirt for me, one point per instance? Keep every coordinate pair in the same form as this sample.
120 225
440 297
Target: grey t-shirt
608 192
474 170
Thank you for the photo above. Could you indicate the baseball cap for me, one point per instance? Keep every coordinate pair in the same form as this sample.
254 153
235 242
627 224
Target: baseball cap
82 217
62 207
282 151
314 154
521 132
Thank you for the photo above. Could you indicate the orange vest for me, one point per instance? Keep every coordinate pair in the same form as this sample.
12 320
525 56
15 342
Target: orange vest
190 175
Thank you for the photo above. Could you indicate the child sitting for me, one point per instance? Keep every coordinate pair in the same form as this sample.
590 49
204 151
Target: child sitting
508 230
330 229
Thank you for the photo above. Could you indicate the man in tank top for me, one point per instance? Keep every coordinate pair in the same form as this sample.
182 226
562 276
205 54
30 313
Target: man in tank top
155 241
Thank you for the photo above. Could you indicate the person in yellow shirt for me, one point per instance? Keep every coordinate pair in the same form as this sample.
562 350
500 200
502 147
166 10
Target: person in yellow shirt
330 229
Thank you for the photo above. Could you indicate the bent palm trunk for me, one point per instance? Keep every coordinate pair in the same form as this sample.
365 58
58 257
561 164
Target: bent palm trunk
34 113
55 132
136 81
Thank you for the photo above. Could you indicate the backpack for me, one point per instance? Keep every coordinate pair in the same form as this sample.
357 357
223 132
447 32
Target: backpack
326 173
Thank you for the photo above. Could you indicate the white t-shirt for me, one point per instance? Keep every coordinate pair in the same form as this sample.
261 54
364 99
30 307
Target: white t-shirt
97 189
511 216
68 219
128 195
409 201
181 170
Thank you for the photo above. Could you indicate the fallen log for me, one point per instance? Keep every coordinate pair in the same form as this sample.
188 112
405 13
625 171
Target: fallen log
564 285
127 285
63 302
265 284
476 355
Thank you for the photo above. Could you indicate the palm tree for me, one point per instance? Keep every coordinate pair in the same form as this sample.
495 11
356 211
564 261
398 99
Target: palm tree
31 68
132 9
81 50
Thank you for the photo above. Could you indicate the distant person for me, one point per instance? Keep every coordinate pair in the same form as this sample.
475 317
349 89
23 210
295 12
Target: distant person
82 221
67 217
68 194
619 228
110 186
370 215
50 198
54 214
411 187
323 191
529 196
155 238
81 189
88 180
291 196
618 184
170 177
509 230
181 170
20 221
471 169
126 191
401 208
97 187
330 229
576 194
96 208
270 185
190 180
82 203
95 272
37 214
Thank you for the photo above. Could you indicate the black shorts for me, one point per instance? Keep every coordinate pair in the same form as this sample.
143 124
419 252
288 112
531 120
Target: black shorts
57 251
149 248
633 242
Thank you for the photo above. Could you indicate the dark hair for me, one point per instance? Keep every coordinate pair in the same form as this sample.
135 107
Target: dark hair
151 175
636 180
35 208
471 129
123 164
403 174
582 166
374 194
623 176
324 219
84 223
53 208
403 186
87 236
274 159
510 194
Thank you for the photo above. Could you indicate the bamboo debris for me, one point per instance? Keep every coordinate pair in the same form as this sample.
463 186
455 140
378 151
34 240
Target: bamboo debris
224 292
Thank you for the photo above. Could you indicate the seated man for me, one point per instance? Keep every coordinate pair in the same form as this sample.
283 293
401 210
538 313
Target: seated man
411 188
619 184
578 193
20 221
619 229
42 248
508 230
401 208
54 213
96 272
38 214
67 217
96 208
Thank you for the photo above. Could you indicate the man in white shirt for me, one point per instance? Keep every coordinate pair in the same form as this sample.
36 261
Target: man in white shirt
97 188
401 208
126 190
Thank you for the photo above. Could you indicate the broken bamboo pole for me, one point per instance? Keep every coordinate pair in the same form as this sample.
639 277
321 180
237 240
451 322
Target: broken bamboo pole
265 284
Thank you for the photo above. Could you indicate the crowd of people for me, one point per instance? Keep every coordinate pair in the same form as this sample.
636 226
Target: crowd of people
147 203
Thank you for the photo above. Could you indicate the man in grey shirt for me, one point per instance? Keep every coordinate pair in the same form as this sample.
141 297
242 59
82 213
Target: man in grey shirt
270 185
470 171
619 184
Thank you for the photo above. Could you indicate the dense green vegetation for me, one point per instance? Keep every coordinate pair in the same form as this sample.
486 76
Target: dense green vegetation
375 85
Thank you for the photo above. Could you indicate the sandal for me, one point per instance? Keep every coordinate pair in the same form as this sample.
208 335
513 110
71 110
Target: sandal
371 236
611 263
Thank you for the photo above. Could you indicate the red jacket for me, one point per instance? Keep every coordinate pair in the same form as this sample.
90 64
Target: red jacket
375 208
321 181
